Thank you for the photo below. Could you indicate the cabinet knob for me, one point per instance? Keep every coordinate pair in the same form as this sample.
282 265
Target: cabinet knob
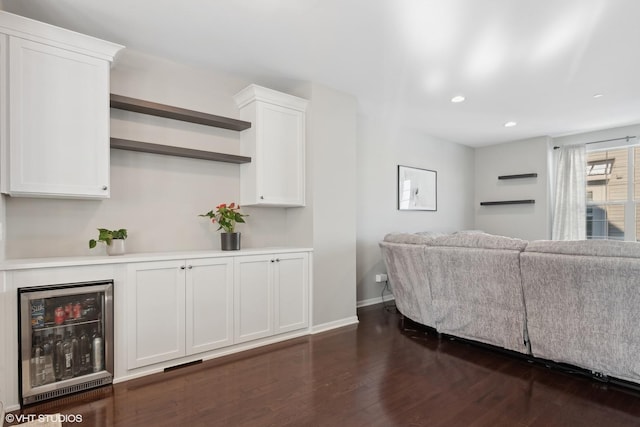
182 267
277 259
261 197
104 188
190 267
273 260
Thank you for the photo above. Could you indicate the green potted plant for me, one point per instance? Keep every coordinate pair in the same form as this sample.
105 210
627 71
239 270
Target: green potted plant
113 238
227 216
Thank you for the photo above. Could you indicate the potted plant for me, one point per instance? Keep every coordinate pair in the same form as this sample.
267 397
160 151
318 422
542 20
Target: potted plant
113 238
227 216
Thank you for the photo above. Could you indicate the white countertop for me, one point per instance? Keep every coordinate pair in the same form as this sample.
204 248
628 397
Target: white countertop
28 263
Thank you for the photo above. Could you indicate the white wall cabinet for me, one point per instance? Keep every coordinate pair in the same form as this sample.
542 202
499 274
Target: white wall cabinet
276 143
271 295
178 308
57 113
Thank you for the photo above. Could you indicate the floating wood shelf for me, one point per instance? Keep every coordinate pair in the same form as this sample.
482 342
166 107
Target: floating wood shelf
509 202
146 107
522 175
146 147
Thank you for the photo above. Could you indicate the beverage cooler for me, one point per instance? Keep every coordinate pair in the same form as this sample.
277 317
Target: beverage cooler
66 339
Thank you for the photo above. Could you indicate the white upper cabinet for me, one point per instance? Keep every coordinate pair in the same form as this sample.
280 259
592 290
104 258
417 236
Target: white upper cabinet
276 143
55 138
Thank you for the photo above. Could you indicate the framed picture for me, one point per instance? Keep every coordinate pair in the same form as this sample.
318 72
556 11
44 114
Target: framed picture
417 189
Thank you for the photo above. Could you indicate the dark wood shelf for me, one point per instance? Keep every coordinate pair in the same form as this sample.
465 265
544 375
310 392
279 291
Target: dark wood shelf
152 108
522 175
509 202
146 147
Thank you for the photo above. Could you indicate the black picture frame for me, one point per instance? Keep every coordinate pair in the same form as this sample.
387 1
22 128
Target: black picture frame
417 189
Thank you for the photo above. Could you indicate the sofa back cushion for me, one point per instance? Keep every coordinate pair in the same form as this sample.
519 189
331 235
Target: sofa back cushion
478 240
598 248
408 238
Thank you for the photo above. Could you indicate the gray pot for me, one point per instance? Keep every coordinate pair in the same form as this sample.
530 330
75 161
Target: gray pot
116 247
230 241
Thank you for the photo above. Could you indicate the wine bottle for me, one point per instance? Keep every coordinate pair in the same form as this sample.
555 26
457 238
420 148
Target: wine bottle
37 362
75 348
85 353
67 350
48 349
96 352
58 358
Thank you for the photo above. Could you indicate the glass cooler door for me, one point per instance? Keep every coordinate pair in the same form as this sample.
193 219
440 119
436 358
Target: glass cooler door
66 339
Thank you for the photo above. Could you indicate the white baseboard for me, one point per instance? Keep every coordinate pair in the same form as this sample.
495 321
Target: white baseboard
372 301
323 327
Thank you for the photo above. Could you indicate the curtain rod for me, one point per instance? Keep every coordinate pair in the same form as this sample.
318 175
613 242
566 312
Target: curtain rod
627 138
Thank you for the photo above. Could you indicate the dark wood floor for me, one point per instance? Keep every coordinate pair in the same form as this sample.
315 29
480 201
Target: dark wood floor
373 374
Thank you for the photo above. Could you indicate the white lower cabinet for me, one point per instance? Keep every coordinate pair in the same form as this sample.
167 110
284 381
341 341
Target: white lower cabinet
209 316
271 295
178 308
291 292
171 309
183 307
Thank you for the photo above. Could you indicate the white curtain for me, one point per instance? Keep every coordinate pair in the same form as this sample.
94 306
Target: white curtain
569 212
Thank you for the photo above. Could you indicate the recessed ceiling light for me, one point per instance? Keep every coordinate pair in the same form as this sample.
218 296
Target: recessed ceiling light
510 124
598 95
458 98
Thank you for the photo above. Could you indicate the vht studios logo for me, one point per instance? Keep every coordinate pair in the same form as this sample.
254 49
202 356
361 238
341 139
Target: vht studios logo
43 418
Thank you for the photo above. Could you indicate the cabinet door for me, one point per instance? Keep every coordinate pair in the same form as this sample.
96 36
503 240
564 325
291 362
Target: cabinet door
291 292
280 155
253 302
4 112
155 312
59 122
209 302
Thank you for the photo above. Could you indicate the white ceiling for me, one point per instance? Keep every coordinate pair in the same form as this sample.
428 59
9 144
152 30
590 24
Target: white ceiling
536 62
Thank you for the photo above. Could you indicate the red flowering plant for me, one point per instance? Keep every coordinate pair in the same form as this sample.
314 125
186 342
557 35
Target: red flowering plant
226 216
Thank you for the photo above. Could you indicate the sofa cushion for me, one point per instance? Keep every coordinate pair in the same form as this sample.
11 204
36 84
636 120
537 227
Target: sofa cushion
599 248
408 279
408 238
431 233
479 240
477 294
582 310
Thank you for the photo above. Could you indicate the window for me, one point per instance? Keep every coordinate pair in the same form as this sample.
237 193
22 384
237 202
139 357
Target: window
613 194
599 167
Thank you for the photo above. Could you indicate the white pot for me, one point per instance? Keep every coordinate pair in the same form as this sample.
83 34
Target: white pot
116 247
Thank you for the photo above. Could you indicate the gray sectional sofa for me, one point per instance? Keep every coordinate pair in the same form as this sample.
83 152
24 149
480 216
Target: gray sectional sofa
575 302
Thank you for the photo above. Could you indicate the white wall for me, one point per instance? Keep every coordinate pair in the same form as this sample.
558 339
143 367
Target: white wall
523 221
157 198
3 228
381 148
328 223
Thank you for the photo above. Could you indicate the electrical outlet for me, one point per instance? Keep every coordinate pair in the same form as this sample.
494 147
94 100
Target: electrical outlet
381 278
